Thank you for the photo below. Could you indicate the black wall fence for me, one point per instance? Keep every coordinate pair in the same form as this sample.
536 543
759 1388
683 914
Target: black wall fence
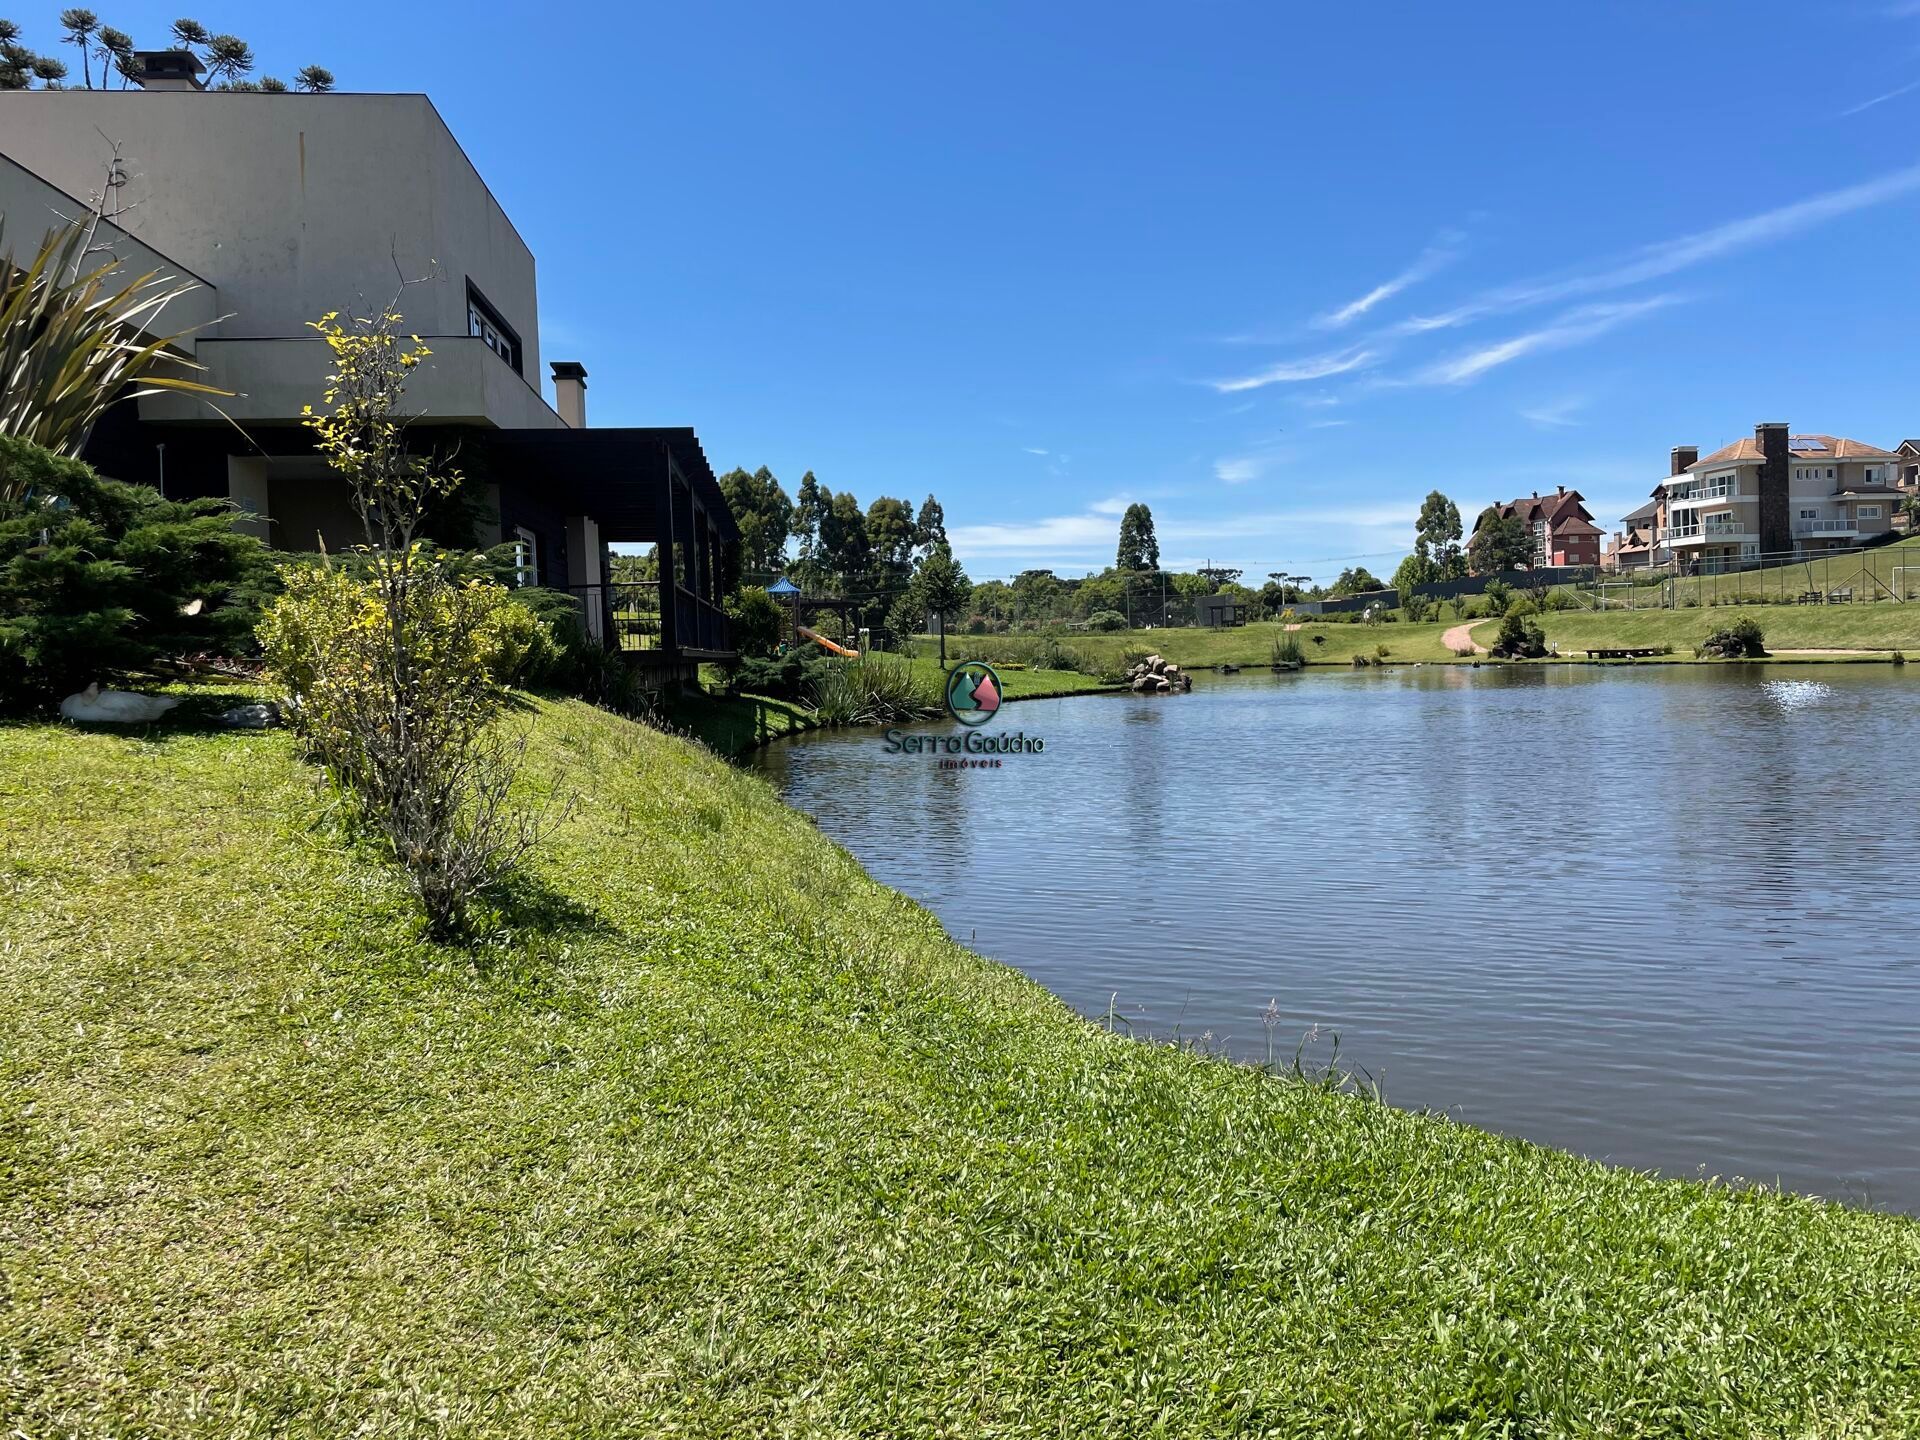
1519 580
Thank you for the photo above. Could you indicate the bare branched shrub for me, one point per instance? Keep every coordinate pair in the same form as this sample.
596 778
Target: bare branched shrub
395 680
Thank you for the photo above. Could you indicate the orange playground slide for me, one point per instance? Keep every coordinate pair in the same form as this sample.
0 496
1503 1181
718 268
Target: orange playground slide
825 644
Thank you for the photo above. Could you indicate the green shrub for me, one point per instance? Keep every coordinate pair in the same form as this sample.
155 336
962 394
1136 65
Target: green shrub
1288 651
100 580
1106 620
1520 638
875 690
792 676
1738 641
1520 606
1499 597
756 620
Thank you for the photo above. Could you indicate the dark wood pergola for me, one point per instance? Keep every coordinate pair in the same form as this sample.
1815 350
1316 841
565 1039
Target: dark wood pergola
642 487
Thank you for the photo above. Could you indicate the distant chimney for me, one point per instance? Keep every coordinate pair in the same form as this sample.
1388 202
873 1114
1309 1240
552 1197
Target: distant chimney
168 70
1536 494
1776 533
570 392
1680 457
1563 489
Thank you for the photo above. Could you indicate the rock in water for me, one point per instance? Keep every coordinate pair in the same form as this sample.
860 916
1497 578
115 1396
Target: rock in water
95 706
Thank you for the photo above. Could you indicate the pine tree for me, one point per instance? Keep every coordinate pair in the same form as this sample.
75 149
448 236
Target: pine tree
1139 549
930 529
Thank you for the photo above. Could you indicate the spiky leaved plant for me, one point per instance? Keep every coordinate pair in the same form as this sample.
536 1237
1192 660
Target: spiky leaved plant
74 338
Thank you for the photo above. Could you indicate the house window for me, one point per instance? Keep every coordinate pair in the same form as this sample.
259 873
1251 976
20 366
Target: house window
526 556
484 323
1869 512
1809 514
1873 475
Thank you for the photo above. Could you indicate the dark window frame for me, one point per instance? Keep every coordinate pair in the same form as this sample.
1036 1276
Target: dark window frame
478 306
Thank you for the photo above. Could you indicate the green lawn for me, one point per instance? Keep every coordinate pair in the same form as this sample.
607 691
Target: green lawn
1021 684
718 1137
1888 571
1883 627
1199 649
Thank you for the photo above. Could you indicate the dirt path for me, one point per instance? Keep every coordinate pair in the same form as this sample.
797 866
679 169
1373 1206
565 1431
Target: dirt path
1459 637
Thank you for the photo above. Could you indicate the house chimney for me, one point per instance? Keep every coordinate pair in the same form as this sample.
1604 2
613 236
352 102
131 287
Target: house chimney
1563 489
1680 457
1776 532
570 392
168 70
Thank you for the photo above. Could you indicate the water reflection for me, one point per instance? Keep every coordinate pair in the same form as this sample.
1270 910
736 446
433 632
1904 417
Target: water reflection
1647 913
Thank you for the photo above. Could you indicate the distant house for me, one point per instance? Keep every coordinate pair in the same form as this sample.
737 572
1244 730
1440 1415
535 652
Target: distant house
1562 528
1775 494
1632 546
1221 611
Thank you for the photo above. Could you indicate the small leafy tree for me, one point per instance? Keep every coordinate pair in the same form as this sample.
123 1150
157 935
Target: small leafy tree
1499 596
314 79
1520 639
940 588
392 680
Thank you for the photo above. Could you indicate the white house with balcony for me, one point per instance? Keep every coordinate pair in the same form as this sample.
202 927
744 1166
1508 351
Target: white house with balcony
1773 496
283 207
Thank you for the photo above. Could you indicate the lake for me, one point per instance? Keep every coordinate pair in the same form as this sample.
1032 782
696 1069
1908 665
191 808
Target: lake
1655 915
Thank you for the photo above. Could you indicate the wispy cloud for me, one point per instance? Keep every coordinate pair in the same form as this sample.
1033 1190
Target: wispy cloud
1911 85
1327 424
1434 258
1288 372
1668 257
1239 469
1573 327
1031 450
1558 414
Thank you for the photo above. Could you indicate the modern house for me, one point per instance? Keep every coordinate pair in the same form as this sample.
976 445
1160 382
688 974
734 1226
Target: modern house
283 207
1562 529
1776 494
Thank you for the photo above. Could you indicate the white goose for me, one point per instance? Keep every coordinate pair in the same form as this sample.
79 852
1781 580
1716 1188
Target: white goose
115 707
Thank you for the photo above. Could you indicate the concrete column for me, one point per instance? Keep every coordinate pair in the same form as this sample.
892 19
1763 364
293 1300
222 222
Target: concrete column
584 567
247 487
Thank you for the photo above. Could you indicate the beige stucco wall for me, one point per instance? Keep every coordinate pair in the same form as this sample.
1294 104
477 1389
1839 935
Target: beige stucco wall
293 205
462 381
31 206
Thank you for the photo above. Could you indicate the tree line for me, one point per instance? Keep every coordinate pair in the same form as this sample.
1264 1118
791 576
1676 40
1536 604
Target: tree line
228 60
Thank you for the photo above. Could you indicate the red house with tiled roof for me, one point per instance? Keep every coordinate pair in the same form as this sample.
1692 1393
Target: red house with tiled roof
1563 531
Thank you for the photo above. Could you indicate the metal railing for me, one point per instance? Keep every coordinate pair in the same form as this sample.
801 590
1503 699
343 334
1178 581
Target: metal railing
626 616
1826 527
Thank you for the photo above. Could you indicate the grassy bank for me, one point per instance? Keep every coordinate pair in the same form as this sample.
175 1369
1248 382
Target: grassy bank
1025 684
1198 649
1884 627
723 1138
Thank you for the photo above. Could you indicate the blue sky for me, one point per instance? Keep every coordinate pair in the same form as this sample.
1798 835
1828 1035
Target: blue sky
1275 270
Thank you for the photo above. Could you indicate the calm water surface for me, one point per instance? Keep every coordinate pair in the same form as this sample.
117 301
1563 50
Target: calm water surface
1658 916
